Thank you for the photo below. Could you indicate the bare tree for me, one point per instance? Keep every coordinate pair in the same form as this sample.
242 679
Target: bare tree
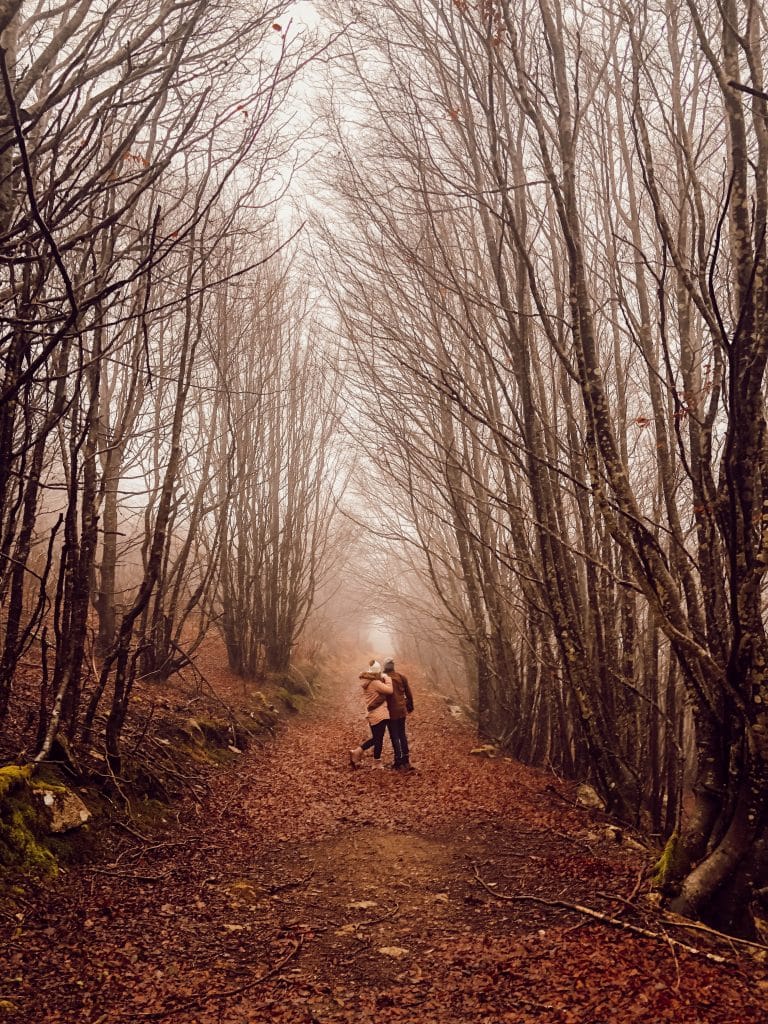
281 471
126 146
599 408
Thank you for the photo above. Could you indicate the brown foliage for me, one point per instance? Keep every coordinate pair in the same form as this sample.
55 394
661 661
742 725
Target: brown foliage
300 890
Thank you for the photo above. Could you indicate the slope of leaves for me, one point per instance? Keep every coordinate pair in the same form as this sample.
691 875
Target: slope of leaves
300 890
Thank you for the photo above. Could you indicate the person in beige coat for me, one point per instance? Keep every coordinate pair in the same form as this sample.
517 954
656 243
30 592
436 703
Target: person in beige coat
376 688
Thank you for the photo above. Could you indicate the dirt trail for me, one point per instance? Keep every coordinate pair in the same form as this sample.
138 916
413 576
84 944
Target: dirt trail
307 892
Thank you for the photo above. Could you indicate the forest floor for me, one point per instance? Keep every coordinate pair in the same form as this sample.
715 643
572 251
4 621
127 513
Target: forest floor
304 891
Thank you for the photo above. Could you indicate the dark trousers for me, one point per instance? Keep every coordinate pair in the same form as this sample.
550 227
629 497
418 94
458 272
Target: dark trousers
399 741
376 739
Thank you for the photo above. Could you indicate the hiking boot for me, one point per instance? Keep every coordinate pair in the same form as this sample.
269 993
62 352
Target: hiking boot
406 766
356 756
377 763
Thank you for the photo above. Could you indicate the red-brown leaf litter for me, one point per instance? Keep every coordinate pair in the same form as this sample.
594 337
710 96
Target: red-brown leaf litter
300 890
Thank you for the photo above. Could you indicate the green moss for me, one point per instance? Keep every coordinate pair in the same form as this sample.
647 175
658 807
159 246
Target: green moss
293 701
294 683
31 853
262 720
280 680
47 776
200 755
218 733
202 735
672 865
12 776
300 687
23 832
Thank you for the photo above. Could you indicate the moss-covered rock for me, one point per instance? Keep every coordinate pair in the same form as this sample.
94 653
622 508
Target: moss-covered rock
260 716
12 776
191 732
293 681
299 686
218 733
63 809
211 739
23 829
294 702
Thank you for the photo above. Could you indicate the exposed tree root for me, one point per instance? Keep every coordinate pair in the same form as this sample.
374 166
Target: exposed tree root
604 918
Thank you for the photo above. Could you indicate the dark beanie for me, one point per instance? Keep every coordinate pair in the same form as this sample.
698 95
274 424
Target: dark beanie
389 665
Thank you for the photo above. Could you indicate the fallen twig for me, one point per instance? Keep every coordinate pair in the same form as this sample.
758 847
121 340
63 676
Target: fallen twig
597 915
677 922
626 901
638 883
143 733
551 789
124 825
675 960
198 1001
137 853
377 920
537 1007
291 885
576 841
615 898
127 874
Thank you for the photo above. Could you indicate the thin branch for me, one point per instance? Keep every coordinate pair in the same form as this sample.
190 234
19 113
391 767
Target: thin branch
596 915
748 88
29 182
198 1001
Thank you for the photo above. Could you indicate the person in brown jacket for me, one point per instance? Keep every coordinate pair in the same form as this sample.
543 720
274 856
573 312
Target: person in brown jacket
400 705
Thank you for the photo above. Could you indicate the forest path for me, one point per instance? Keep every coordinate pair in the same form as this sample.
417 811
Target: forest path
306 892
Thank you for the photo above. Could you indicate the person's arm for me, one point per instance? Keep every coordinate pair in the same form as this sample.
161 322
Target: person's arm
383 685
408 695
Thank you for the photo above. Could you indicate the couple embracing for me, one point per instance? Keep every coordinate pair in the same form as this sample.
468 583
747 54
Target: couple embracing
388 701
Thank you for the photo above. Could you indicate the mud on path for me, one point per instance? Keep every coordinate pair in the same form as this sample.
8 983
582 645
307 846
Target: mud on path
303 891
